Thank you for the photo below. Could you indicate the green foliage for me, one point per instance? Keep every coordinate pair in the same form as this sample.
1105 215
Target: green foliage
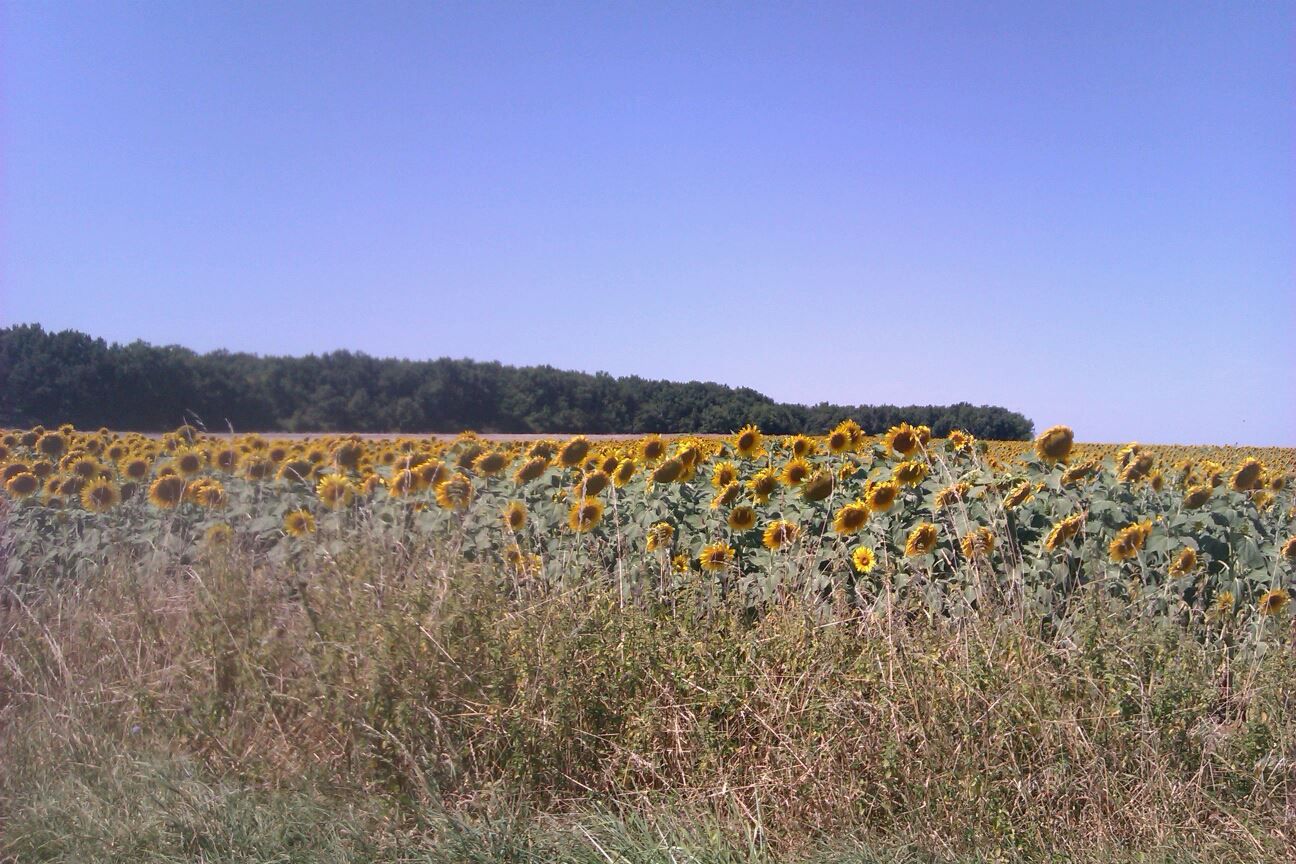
53 378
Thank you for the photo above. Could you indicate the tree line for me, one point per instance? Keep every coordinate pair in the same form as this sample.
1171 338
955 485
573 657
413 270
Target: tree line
70 377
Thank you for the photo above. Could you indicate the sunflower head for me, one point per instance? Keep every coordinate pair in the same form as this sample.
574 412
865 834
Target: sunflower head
531 469
1288 549
1247 476
575 450
724 474
748 441
780 533
23 484
802 446
1274 601
961 441
742 518
490 463
863 559
585 515
624 471
100 495
219 534
515 515
167 491
299 523
881 495
851 518
660 536
817 486
668 471
978 543
1020 494
1185 562
1063 531
795 472
335 491
921 540
1055 444
52 444
951 495
763 484
726 496
591 484
455 493
652 448
902 440
716 556
911 472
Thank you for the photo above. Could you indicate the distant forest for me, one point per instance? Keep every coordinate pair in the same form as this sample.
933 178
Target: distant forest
70 377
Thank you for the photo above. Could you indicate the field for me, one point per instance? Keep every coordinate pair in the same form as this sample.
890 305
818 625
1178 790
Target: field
746 648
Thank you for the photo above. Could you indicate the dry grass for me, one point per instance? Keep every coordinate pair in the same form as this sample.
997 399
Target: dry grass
394 704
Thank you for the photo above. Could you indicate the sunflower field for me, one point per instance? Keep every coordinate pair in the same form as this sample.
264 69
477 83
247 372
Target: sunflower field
842 521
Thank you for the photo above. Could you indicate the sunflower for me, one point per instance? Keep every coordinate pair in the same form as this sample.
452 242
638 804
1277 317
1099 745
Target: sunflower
515 515
207 492
591 484
1288 550
625 470
100 495
748 441
135 468
851 518
258 469
1079 472
167 491
863 559
335 491
950 495
370 484
668 471
530 470
802 446
1063 531
296 471
742 518
404 482
23 484
660 536
724 474
1247 476
1156 480
219 534
468 455
585 515
299 523
432 473
1185 562
1020 494
716 556
1129 541
1055 444
571 453
795 472
902 440
455 493
1197 496
779 533
188 462
13 468
818 486
839 441
1274 601
921 540
72 486
652 448
763 484
978 543
52 444
226 459
681 563
490 463
911 472
961 440
880 496
1224 602
1137 467
727 495
1262 498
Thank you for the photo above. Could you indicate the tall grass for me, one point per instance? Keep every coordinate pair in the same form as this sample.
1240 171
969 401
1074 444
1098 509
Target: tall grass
393 703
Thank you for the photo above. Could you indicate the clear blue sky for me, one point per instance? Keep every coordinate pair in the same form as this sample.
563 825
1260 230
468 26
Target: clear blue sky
1080 211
